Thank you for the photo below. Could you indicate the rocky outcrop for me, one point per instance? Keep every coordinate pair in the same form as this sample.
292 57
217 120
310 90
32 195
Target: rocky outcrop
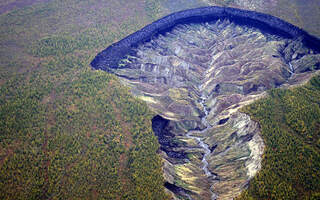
196 77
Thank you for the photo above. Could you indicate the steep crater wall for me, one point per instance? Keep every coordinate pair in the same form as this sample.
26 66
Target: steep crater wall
195 73
110 57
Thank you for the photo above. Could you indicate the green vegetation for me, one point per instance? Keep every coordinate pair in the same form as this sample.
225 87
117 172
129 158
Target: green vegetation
66 131
290 126
305 15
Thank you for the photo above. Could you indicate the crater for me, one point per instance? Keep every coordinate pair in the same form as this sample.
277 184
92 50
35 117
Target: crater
195 69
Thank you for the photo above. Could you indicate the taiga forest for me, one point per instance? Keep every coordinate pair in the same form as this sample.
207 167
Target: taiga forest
160 99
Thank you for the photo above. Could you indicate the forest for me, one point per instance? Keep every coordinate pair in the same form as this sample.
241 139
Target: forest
67 131
290 127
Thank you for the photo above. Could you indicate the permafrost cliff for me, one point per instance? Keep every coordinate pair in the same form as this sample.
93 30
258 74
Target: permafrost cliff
195 72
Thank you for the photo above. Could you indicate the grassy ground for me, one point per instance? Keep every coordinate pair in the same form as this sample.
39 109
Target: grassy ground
67 131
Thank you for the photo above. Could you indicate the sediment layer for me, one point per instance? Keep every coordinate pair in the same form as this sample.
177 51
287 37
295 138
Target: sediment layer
110 57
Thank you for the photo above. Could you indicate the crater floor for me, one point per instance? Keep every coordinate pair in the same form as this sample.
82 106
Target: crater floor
196 77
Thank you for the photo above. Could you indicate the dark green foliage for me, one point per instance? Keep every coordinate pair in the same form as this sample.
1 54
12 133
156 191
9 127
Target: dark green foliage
290 126
66 131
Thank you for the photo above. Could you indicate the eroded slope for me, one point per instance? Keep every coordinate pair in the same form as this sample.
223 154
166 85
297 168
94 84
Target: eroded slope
196 77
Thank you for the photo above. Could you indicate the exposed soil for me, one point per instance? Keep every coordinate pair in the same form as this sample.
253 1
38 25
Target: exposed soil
206 72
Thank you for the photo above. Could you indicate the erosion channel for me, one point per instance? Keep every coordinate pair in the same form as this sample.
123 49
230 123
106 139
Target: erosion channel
195 76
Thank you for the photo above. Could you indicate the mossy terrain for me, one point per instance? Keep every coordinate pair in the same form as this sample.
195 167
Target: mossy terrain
290 127
67 131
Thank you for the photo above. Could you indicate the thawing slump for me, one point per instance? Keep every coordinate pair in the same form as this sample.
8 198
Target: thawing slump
195 69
